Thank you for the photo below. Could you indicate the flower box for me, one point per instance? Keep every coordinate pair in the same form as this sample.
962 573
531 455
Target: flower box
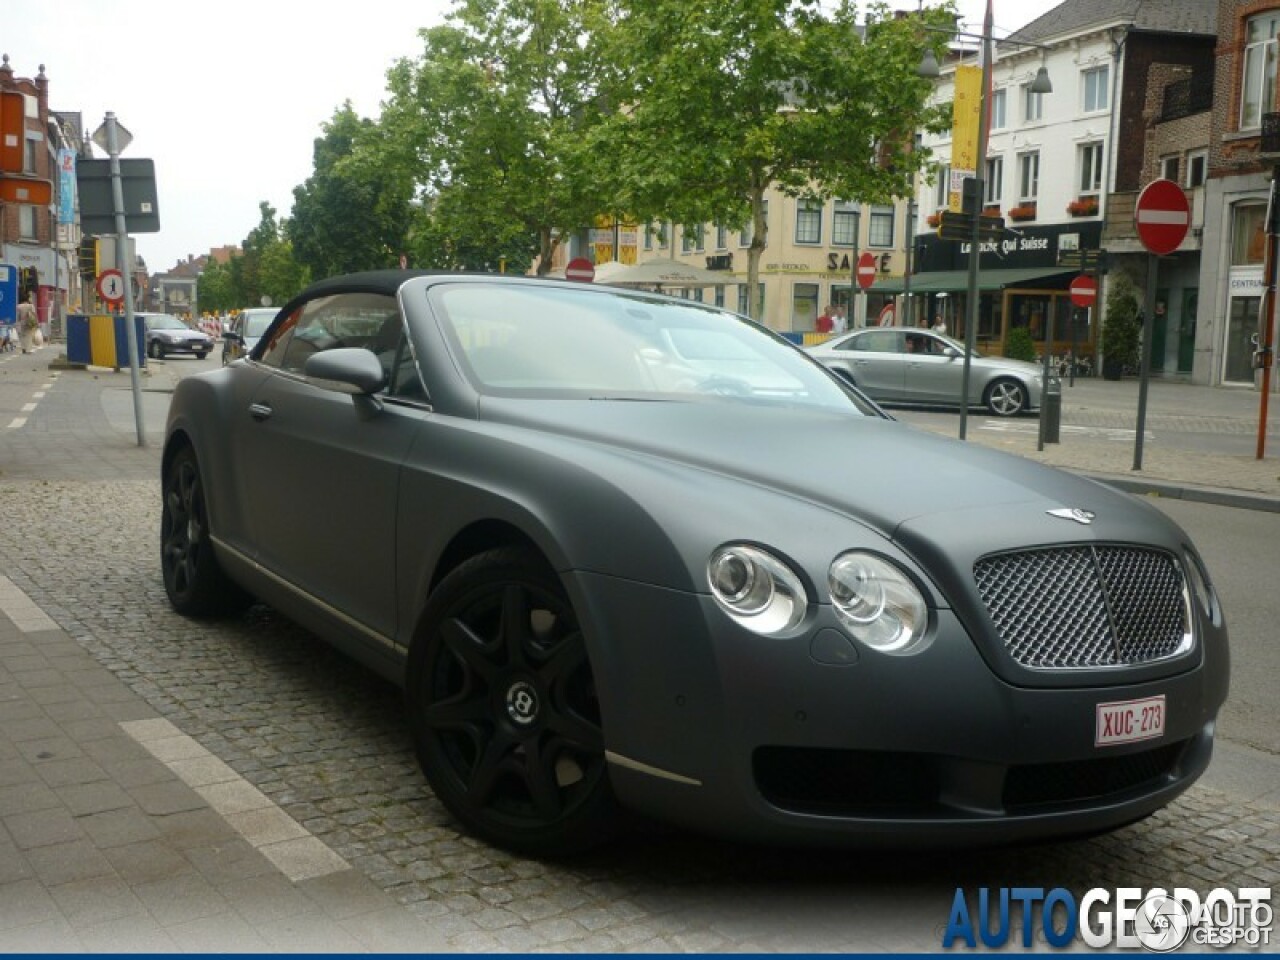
991 210
1026 211
1084 207
934 220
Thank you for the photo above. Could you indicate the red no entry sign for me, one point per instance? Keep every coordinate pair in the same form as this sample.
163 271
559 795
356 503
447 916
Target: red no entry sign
580 268
1162 216
866 270
1084 291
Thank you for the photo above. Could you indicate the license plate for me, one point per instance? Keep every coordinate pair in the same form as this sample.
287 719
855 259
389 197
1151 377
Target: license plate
1128 721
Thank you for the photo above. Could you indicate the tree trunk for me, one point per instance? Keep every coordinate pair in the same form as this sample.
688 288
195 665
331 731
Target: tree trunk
759 239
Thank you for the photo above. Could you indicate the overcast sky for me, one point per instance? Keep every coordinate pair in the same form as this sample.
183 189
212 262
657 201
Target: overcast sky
228 98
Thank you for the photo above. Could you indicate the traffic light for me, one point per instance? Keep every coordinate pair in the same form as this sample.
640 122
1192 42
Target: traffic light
87 258
959 226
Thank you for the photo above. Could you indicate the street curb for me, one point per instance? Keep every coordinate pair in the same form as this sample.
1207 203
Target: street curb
1177 491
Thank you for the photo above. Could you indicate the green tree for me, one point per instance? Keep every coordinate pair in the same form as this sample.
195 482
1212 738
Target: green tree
729 97
352 213
215 288
1121 334
491 125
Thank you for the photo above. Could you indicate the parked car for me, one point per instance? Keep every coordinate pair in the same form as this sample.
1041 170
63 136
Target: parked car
167 334
893 365
714 586
245 330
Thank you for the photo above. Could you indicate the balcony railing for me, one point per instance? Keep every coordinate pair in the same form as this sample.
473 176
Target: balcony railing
1269 144
1182 98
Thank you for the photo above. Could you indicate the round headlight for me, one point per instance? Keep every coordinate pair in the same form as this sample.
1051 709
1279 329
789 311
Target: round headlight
877 603
756 589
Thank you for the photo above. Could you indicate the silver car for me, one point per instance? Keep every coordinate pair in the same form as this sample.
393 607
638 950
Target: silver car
894 365
245 331
168 335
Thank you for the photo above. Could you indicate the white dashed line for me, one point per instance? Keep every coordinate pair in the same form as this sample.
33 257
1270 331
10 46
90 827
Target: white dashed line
17 423
280 838
21 609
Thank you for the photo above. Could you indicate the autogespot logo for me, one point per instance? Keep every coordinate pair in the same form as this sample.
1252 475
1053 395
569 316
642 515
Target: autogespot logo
1128 917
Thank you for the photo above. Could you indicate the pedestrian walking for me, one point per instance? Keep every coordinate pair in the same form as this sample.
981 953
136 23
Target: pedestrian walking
28 324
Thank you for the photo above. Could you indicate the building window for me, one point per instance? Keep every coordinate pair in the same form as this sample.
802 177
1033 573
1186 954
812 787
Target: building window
745 236
29 155
942 189
722 237
1095 89
1258 84
719 295
1090 168
998 101
880 230
744 307
664 235
808 221
1197 164
994 186
1032 104
648 238
1028 176
691 237
1169 168
804 306
844 224
1248 237
26 221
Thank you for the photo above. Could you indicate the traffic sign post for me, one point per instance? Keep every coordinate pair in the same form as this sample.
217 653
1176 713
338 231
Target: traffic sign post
580 269
110 287
866 270
1162 217
1084 291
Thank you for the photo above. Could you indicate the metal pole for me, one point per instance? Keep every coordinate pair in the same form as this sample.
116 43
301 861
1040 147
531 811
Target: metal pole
975 244
1044 397
1267 316
1148 325
849 323
122 257
906 277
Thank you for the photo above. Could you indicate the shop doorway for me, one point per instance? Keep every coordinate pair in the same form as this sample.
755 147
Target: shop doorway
1242 324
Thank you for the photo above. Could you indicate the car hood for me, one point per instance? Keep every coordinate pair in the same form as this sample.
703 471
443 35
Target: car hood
181 334
884 473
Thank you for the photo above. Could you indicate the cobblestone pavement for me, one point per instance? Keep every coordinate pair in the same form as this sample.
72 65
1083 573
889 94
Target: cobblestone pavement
326 743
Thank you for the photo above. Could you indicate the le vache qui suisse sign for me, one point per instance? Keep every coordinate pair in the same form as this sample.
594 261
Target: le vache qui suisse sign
1028 247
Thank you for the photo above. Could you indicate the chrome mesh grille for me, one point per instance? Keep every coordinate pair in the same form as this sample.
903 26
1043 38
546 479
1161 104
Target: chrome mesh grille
1086 606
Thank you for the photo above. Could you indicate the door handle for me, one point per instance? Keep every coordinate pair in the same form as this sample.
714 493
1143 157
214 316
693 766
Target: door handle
259 411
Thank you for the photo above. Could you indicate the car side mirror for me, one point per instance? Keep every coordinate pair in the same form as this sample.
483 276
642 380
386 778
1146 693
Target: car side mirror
952 353
233 337
353 370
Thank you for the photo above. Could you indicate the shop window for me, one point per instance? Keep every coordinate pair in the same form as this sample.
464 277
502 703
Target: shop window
804 306
1248 237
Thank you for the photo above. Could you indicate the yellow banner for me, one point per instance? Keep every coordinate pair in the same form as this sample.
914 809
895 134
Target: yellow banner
964 130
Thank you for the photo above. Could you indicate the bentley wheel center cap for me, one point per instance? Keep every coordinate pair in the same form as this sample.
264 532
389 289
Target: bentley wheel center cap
522 703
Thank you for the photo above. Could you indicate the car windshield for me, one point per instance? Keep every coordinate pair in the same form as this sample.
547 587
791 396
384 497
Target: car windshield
256 323
164 322
552 340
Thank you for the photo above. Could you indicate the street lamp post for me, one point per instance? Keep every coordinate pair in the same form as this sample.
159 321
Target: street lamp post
1041 84
906 276
853 267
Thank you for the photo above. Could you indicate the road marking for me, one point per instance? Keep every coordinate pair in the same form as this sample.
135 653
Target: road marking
1033 429
28 407
21 609
38 395
290 846
17 423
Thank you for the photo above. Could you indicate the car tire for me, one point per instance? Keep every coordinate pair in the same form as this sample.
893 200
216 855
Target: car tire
193 579
503 709
155 350
1006 397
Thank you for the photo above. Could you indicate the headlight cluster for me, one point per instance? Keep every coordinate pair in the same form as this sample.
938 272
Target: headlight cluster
756 589
875 602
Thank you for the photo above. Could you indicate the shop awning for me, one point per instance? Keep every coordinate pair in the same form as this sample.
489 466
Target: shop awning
957 281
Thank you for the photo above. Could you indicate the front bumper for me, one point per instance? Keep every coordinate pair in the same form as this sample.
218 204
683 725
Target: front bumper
186 346
805 740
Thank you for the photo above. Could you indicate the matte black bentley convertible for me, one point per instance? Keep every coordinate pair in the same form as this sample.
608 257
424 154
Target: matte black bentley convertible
630 552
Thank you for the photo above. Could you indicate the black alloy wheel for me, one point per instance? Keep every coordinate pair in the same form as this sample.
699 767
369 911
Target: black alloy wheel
193 579
504 711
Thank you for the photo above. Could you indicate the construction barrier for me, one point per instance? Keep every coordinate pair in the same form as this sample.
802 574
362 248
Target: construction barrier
99 340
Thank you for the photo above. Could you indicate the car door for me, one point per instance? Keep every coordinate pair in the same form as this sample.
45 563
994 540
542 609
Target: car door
875 359
931 374
324 467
